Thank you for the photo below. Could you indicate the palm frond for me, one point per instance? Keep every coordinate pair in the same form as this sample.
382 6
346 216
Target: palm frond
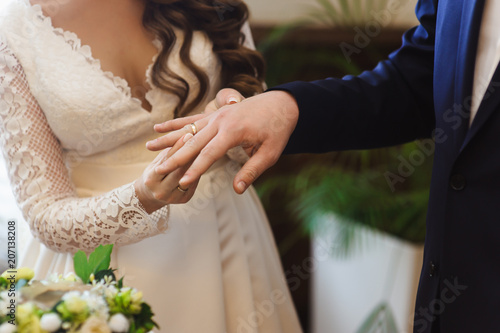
358 195
380 320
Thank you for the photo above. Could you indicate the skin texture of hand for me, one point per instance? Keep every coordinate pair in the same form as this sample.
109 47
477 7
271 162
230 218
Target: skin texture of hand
261 124
156 190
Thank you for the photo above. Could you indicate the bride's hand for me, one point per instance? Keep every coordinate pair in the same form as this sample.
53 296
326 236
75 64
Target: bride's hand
224 97
261 125
156 190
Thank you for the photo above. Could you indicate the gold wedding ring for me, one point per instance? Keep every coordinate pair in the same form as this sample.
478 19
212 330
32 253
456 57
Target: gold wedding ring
194 128
181 189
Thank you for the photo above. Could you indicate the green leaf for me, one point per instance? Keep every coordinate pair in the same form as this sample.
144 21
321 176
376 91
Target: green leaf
54 308
119 284
132 329
144 319
380 319
3 283
81 266
98 260
100 275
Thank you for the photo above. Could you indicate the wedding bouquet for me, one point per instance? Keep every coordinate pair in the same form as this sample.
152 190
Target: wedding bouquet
92 301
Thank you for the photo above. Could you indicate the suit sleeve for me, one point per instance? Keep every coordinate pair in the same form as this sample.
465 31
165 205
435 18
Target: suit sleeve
389 105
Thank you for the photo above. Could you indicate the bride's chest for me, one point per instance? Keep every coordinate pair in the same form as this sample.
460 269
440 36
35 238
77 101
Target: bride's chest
78 97
81 100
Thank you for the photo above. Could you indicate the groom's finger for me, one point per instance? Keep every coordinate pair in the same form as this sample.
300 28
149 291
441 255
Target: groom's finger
211 153
166 153
262 160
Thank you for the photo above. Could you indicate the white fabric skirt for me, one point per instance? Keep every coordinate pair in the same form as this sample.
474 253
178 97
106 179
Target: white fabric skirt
216 268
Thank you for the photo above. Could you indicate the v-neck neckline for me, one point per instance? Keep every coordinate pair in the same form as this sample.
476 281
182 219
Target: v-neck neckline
85 50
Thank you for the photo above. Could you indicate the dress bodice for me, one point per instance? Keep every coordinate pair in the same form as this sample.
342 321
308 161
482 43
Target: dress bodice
68 83
73 136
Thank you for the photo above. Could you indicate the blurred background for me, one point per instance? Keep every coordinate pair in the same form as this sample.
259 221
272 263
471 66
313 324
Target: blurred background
349 225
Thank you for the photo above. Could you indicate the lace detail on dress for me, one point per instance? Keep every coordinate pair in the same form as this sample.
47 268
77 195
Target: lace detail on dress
75 42
41 181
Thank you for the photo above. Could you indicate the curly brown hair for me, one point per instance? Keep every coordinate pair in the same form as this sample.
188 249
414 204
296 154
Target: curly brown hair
222 20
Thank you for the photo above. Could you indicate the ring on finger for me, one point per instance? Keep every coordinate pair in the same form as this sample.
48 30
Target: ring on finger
194 128
181 189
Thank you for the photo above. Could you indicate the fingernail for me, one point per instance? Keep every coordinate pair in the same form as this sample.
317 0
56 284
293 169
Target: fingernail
232 100
241 186
187 137
184 180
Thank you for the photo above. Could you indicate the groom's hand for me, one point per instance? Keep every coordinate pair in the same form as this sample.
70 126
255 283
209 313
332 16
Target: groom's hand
261 124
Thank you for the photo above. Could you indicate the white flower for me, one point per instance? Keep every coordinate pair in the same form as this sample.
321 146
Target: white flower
74 303
118 323
4 303
95 325
7 328
111 292
54 277
20 273
70 277
50 322
125 289
97 304
136 296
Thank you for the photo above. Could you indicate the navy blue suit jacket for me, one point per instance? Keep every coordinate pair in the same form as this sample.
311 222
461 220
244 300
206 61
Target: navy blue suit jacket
424 89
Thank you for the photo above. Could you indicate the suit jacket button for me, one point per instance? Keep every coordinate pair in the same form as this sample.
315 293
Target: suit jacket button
432 269
457 182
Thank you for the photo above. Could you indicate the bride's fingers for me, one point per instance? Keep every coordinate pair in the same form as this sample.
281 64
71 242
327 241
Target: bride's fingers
178 145
211 107
179 194
168 140
178 123
162 157
228 96
169 190
189 151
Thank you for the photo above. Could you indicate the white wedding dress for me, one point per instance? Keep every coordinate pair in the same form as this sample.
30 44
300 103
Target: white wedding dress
74 141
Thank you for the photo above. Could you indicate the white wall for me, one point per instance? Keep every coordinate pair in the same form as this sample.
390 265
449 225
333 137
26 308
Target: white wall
280 11
346 290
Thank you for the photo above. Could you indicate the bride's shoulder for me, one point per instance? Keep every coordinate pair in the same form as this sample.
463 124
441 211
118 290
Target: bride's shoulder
57 9
14 14
20 22
34 11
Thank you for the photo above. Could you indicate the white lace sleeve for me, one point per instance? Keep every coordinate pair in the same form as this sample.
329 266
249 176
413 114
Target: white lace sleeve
41 182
